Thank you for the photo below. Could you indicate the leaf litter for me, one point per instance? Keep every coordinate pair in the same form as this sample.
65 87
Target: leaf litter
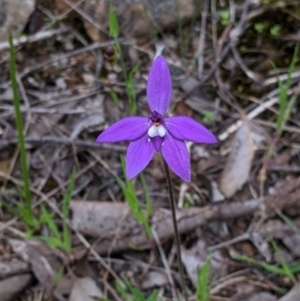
66 101
239 162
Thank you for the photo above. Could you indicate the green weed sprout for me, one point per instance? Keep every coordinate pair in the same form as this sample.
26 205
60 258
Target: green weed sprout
58 240
135 293
203 289
133 202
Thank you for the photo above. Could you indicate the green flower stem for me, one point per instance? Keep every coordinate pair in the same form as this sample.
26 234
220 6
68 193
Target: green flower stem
177 237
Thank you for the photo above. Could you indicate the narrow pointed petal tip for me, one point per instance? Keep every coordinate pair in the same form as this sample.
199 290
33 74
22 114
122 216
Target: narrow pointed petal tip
186 128
176 154
127 129
159 86
139 154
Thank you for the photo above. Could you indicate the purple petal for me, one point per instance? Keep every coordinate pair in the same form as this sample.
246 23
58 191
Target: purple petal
129 128
157 142
139 154
186 128
159 86
176 155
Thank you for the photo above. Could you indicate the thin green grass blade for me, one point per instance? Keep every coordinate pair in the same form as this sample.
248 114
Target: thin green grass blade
58 276
48 219
292 65
65 211
114 97
294 268
138 296
268 267
134 293
284 265
52 241
10 209
133 202
289 222
192 27
153 296
131 88
149 209
19 125
113 22
122 291
284 106
26 217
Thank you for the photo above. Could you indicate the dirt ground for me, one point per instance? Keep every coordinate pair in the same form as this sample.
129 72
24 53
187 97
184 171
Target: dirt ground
232 70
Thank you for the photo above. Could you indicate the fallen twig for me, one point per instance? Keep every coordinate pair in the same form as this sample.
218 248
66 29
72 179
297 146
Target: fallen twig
91 218
59 140
34 38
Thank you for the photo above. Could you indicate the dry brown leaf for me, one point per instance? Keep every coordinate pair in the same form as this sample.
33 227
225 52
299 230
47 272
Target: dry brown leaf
4 167
14 19
261 296
136 19
44 261
293 295
91 118
103 219
154 279
262 244
13 267
85 289
11 287
237 168
195 258
291 241
216 195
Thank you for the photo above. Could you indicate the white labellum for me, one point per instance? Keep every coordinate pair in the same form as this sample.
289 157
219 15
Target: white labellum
157 131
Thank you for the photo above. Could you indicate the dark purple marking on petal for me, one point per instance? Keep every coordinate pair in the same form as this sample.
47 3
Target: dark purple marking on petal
176 154
186 128
157 142
139 154
159 86
129 128
156 118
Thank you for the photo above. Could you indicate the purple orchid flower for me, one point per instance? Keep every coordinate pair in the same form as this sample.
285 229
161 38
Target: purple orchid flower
156 133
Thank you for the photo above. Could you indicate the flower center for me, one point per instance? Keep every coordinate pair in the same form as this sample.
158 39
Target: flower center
157 128
156 118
